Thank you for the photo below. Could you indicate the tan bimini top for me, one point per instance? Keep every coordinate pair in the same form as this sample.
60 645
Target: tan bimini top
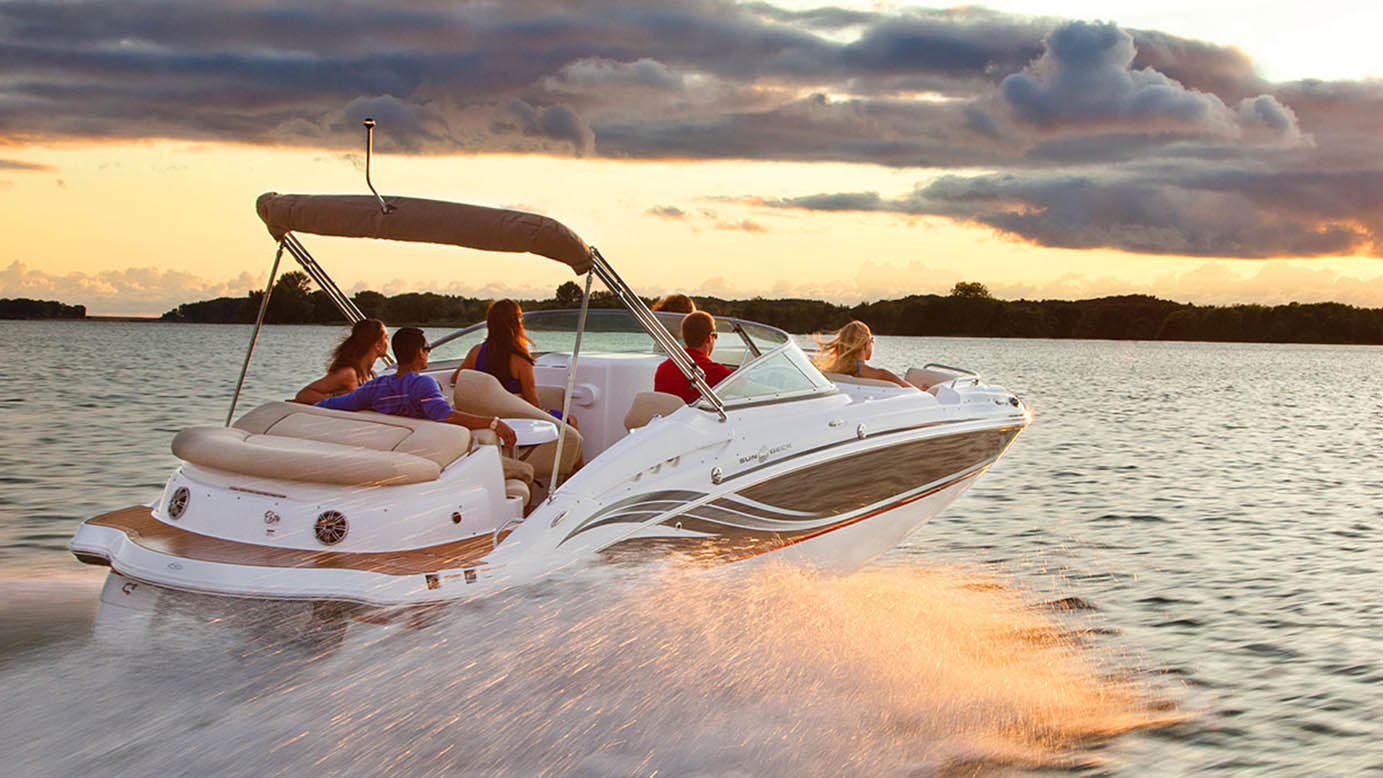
424 221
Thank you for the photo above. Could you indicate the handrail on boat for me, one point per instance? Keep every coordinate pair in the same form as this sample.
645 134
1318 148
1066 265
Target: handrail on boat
494 541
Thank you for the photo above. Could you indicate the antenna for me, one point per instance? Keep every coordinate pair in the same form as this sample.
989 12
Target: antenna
369 148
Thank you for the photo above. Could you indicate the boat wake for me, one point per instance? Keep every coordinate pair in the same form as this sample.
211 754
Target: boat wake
673 671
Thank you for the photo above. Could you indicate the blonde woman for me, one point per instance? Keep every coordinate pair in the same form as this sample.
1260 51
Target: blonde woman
850 352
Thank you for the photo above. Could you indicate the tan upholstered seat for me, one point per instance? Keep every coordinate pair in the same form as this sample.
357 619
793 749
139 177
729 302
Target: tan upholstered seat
516 488
295 459
648 406
550 396
843 378
482 394
305 443
924 377
441 443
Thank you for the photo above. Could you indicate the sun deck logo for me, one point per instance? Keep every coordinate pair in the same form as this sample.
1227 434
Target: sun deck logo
764 453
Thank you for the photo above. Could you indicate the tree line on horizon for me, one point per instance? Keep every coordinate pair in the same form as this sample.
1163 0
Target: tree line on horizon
24 308
968 310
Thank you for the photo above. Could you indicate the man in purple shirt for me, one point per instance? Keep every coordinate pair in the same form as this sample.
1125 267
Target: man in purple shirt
409 393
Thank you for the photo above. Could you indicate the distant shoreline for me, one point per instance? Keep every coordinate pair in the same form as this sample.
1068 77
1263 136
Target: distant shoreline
119 318
969 311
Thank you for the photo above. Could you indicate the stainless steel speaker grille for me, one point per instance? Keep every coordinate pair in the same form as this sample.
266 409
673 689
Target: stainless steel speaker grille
331 527
177 504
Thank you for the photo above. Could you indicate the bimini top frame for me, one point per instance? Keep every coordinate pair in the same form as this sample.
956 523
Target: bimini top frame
467 226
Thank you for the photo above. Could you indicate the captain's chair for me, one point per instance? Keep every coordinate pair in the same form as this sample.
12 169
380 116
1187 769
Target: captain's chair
480 393
649 406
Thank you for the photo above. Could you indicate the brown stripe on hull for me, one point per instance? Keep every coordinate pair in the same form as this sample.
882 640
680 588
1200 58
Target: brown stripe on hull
740 546
140 526
853 482
832 528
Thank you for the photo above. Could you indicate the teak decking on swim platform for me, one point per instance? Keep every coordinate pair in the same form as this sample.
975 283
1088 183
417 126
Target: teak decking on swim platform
140 526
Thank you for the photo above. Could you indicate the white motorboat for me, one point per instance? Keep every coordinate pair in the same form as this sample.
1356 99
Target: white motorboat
776 461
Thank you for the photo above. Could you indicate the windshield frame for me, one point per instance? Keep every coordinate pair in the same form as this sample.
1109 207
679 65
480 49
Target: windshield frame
770 338
771 341
800 360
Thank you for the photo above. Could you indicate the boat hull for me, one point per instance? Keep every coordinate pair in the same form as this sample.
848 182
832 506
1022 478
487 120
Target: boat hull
852 481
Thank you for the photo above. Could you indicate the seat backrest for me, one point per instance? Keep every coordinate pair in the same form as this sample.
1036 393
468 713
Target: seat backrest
925 378
551 396
480 393
648 406
843 378
441 443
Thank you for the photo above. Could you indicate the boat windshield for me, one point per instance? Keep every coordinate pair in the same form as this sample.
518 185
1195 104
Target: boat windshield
615 330
770 366
780 375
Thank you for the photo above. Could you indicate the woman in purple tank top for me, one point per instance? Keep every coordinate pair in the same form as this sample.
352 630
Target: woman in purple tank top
505 354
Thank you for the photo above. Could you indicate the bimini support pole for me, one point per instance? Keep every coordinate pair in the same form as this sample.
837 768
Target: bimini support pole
317 273
259 323
571 384
660 335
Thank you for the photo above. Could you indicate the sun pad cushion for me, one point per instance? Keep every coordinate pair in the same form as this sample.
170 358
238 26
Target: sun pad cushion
441 443
294 459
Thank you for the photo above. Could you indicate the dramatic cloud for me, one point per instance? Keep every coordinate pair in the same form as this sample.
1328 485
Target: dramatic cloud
1089 134
1084 78
617 79
1226 213
555 122
595 75
1194 177
1204 67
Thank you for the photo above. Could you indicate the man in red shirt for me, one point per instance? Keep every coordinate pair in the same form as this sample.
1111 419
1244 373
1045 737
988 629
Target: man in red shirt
699 335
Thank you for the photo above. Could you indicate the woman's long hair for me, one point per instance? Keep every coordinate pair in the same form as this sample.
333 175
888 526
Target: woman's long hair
675 303
364 335
505 338
844 353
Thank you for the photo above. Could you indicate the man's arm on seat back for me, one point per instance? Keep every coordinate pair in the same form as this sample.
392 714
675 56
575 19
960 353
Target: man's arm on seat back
360 399
428 395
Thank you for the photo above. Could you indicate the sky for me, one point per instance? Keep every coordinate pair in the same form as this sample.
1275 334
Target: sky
1208 152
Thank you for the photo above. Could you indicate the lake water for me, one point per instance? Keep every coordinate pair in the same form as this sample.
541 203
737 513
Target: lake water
1177 570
